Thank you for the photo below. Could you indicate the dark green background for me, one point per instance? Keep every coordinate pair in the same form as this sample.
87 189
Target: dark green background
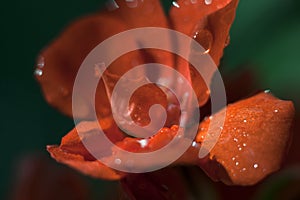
266 35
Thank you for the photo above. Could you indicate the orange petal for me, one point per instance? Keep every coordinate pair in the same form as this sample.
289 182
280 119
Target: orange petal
65 55
253 142
72 152
208 23
76 161
59 62
159 140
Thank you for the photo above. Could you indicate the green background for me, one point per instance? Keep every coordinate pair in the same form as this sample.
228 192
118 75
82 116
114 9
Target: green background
264 38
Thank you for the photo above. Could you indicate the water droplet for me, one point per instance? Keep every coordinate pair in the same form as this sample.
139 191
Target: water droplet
175 4
244 144
193 1
118 161
204 38
207 2
143 142
227 41
244 169
245 120
235 139
195 144
255 165
40 62
276 111
236 163
132 3
38 72
240 148
267 91
233 158
210 117
112 5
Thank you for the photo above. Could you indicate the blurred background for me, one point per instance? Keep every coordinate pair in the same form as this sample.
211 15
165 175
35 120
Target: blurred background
263 54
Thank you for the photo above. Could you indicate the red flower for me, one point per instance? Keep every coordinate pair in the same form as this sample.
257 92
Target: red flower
254 138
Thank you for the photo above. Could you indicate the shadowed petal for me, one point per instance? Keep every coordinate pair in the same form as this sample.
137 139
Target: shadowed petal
163 184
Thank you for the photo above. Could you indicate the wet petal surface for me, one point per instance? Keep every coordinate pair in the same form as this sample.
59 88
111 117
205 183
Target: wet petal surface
253 142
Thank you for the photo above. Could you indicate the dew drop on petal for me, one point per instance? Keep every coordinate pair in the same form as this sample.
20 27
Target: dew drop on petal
205 38
267 91
38 72
237 163
207 2
194 144
143 142
175 4
112 5
245 120
276 111
40 62
255 165
227 41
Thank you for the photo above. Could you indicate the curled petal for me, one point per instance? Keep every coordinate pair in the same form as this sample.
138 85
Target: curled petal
209 24
76 161
253 142
72 151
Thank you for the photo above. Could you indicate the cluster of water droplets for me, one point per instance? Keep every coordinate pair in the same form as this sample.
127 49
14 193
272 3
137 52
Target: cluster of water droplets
39 66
